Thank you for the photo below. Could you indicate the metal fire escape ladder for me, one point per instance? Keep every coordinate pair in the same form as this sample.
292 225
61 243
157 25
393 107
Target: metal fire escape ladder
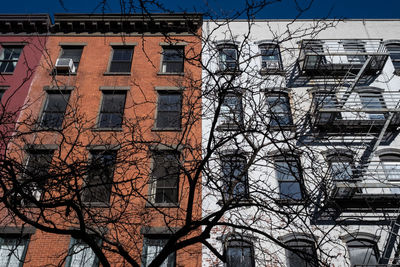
349 90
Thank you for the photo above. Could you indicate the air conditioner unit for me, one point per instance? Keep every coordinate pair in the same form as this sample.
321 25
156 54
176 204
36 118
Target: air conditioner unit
65 64
270 65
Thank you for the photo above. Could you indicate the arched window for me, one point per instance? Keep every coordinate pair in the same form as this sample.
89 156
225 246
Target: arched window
228 57
239 253
391 165
374 101
301 254
393 47
288 174
362 252
279 109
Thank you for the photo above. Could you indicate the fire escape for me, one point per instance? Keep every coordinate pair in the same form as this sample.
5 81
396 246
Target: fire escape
349 107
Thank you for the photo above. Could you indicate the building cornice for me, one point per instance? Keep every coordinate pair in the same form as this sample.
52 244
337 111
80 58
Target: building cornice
24 23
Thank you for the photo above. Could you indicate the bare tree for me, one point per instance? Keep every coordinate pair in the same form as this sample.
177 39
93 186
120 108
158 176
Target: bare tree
261 152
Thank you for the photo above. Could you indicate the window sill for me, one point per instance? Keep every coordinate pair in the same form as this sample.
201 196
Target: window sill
6 73
240 202
56 73
96 204
229 72
155 129
162 205
107 129
291 128
272 72
49 129
228 127
290 202
171 73
107 73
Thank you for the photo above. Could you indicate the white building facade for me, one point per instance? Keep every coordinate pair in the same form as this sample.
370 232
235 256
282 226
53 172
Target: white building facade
301 138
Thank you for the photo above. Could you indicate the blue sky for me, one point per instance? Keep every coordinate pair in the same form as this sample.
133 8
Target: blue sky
284 9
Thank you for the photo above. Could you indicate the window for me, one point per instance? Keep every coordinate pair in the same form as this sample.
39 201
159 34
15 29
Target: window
362 252
121 59
12 250
54 109
99 180
151 248
228 58
239 253
9 57
289 177
279 109
302 255
72 52
36 173
353 48
172 60
231 112
270 57
314 49
235 184
375 101
165 176
80 255
341 167
323 101
169 110
112 109
394 52
391 166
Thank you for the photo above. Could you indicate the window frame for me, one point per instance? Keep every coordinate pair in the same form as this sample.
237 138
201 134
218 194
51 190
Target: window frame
222 63
154 187
238 243
377 95
102 112
10 60
88 178
342 159
275 117
164 62
394 52
44 110
160 238
275 52
161 112
362 243
228 191
353 47
299 181
37 190
231 119
75 62
298 244
71 254
25 239
388 161
111 59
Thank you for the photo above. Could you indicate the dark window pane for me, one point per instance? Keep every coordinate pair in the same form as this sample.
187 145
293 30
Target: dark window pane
112 110
54 110
239 256
228 58
166 176
270 57
169 110
279 109
231 110
354 48
362 253
121 60
289 178
303 256
373 100
173 60
234 177
100 177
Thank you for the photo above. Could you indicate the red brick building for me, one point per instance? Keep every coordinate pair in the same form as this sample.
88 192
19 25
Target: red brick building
109 144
